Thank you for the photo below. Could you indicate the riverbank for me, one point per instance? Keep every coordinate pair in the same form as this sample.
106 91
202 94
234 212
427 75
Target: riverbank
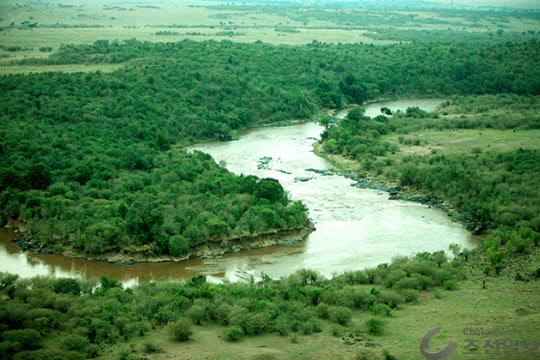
356 228
349 168
211 250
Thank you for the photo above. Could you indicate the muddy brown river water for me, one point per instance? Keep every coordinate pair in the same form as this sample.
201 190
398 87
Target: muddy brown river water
355 228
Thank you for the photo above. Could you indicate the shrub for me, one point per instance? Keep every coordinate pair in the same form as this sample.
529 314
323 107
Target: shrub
450 285
67 286
374 326
181 330
92 351
407 283
8 349
337 330
381 309
27 339
283 325
340 315
197 314
311 326
365 355
391 298
62 303
44 354
256 323
75 343
234 333
388 356
410 295
151 348
7 279
323 311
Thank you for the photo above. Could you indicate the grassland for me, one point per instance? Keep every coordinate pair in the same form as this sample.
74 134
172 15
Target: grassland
465 141
438 137
31 25
25 69
468 307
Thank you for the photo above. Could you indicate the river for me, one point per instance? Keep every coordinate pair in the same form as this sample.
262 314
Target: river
355 228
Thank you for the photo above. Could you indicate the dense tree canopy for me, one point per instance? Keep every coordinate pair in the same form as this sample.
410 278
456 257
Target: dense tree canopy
92 159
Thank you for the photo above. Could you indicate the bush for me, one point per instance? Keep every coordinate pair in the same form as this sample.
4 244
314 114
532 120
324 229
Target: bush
340 315
283 325
151 348
67 286
381 309
323 311
7 279
181 330
8 349
234 333
49 355
255 323
337 330
391 298
311 326
27 339
450 285
197 314
388 356
75 343
410 295
365 355
374 326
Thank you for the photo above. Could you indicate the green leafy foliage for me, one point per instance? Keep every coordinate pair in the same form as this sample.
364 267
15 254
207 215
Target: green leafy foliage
494 190
89 158
33 312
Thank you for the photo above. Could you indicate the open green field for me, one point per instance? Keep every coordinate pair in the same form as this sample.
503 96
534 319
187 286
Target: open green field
25 69
465 141
466 126
28 26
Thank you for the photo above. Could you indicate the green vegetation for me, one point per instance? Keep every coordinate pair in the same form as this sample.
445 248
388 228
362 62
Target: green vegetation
30 26
494 186
94 170
93 162
68 318
181 330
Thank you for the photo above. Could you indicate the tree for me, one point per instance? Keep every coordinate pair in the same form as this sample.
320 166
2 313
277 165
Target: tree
144 220
270 189
178 245
109 283
39 176
10 178
325 121
353 89
67 286
386 111
356 114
